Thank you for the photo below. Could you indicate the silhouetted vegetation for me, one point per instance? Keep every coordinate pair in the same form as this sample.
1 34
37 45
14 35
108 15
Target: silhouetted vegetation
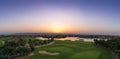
113 45
18 46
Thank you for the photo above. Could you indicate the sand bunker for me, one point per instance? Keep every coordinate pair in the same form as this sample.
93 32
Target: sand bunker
48 53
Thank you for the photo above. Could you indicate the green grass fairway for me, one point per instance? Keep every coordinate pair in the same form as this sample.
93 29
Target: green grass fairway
2 39
5 38
1 43
72 50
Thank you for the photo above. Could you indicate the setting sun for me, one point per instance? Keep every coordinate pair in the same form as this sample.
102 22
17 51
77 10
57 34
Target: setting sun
57 29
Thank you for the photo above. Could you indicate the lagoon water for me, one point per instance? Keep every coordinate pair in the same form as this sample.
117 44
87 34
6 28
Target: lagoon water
70 39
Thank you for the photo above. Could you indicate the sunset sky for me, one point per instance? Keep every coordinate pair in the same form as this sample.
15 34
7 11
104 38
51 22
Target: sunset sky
60 16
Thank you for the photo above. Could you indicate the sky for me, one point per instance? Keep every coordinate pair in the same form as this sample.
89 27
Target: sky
60 16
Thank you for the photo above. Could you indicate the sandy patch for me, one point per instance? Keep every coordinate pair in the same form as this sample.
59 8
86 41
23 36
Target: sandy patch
31 54
48 53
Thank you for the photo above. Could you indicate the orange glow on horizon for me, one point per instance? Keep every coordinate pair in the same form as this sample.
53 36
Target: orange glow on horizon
57 28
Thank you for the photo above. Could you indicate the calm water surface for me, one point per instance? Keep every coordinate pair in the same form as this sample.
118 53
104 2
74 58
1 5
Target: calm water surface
70 38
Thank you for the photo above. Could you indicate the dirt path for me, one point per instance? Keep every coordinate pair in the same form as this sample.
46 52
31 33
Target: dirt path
45 45
48 53
21 57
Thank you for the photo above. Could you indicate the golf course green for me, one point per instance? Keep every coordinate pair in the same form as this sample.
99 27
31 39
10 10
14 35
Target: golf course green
72 50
